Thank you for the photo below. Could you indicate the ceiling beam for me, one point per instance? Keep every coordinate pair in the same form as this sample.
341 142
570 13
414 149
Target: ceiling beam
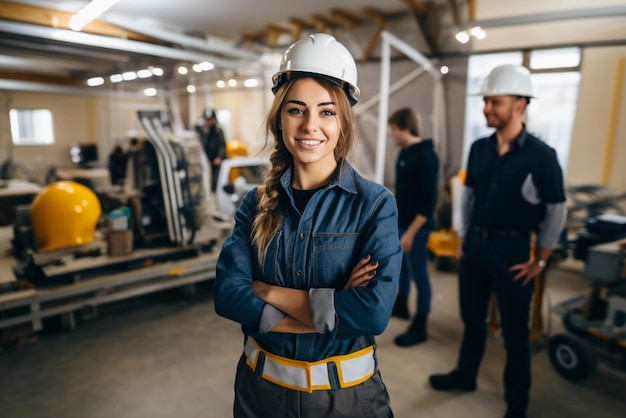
109 43
381 20
60 20
454 11
273 34
322 23
427 21
299 26
346 18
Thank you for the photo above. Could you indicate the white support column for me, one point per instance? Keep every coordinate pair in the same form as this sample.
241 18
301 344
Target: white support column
383 110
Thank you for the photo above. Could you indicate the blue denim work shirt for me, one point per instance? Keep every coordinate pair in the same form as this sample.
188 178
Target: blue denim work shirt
316 250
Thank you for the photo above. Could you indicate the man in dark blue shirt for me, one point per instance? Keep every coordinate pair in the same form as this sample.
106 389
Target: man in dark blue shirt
417 169
514 189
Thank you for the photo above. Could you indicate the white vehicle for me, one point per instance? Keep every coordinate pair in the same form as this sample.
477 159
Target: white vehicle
237 176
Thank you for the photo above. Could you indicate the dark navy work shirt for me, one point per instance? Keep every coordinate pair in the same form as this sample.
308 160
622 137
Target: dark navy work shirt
417 168
511 191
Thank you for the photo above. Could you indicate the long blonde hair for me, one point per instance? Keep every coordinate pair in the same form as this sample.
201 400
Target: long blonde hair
271 194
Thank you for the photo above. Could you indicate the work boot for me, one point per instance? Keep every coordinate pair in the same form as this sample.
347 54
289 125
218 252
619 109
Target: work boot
415 334
453 381
400 308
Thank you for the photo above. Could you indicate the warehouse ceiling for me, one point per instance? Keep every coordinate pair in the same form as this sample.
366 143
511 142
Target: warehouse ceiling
239 37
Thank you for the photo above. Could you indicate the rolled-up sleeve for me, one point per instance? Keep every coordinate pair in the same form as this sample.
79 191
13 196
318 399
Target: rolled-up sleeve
234 297
366 310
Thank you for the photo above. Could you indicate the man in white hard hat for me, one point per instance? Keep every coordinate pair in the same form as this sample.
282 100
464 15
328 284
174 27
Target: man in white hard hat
513 191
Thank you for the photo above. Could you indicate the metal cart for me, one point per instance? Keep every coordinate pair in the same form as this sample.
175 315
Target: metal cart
596 322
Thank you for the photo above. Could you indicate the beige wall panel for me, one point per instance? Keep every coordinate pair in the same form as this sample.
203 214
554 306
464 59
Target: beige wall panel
593 114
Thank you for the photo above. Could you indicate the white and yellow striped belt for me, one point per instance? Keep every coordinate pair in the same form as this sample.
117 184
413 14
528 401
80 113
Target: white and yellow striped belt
352 369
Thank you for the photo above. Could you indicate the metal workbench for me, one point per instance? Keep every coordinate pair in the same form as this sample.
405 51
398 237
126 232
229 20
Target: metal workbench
34 305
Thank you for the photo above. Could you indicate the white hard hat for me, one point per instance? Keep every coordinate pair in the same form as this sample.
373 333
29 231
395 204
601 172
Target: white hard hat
508 79
319 55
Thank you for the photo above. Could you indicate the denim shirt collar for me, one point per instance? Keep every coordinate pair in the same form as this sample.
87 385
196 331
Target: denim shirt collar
343 177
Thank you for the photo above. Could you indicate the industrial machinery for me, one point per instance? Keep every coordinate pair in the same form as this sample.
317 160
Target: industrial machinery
596 322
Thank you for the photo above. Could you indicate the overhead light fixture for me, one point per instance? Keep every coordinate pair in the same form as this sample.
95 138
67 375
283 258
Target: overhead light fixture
232 82
444 69
90 12
150 92
157 71
206 66
220 84
191 88
251 82
464 36
145 73
129 75
116 78
182 70
478 32
95 81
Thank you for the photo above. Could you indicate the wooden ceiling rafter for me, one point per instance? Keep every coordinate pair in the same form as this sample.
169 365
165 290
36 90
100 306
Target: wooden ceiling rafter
273 34
299 25
425 14
58 19
454 11
323 23
381 20
346 18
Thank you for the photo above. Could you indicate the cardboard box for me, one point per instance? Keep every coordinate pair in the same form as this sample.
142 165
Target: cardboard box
120 242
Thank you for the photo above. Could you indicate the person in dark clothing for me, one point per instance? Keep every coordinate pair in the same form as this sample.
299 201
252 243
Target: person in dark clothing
117 165
513 189
417 169
213 142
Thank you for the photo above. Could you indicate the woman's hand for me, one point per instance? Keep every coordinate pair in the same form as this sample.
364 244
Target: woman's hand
362 273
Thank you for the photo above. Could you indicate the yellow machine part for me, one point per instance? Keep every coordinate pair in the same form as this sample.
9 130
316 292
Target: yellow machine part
235 148
442 243
64 214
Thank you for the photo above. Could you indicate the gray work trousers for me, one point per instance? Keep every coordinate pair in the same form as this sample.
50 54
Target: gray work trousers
256 397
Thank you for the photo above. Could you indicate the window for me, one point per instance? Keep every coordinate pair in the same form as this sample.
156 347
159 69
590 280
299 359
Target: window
31 126
550 116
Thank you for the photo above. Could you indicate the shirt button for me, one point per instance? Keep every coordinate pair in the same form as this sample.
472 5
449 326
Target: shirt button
299 273
302 235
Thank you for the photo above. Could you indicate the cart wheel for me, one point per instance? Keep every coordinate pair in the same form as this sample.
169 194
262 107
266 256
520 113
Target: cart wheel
571 357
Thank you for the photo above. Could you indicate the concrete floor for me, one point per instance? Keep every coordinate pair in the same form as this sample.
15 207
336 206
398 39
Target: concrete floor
164 356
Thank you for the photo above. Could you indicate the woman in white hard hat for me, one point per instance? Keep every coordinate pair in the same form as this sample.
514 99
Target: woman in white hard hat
311 268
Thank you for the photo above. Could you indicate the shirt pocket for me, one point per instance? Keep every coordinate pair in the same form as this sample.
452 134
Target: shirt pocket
334 256
271 271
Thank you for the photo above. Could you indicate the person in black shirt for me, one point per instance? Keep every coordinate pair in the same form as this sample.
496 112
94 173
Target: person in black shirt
513 189
213 142
417 169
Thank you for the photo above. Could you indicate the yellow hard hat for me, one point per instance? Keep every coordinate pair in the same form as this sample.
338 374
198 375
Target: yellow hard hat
64 214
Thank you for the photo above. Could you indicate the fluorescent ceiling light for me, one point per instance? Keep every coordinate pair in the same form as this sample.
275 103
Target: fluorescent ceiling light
206 66
220 84
462 36
191 88
116 78
90 12
95 81
144 73
251 82
232 82
150 92
157 71
197 68
182 70
129 75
